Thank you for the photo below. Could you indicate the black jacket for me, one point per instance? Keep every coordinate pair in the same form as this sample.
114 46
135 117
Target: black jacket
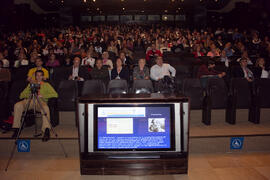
83 72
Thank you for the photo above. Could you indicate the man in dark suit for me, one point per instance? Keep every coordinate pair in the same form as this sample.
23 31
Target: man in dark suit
76 72
243 71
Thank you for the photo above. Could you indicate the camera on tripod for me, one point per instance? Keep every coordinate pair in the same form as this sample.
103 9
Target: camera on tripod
34 88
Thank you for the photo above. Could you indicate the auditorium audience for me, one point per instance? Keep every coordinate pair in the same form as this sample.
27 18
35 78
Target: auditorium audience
31 72
22 61
120 71
4 60
5 75
76 72
197 51
260 71
208 71
99 72
88 60
152 53
213 51
243 71
52 61
141 71
160 69
106 61
67 62
94 42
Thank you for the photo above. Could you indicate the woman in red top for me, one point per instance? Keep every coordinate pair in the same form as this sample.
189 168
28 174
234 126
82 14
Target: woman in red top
197 51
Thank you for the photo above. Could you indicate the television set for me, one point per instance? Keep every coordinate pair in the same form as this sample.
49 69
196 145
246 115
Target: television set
133 127
133 134
139 127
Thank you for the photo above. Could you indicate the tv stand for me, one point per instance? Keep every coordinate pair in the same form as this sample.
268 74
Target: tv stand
134 156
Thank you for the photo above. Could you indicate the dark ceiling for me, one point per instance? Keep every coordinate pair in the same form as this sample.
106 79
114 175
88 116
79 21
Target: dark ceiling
130 6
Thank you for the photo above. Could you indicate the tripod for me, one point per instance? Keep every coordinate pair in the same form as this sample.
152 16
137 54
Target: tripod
36 101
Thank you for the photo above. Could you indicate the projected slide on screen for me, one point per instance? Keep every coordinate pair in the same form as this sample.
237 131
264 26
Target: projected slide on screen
146 127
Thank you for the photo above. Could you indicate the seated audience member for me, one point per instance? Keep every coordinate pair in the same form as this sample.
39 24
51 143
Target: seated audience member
120 72
106 61
209 70
112 48
165 47
31 72
32 60
127 61
88 60
197 51
206 72
214 51
52 61
4 60
152 53
99 72
224 58
22 61
77 72
228 49
260 71
245 56
67 62
160 69
243 71
45 92
4 73
141 71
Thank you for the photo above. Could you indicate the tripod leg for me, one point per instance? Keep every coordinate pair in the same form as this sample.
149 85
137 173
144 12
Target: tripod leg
48 121
19 133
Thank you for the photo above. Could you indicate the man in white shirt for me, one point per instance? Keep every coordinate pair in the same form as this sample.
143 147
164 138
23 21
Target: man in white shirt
160 69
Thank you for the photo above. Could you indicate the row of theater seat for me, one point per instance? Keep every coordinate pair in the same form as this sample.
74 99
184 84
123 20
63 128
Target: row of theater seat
239 94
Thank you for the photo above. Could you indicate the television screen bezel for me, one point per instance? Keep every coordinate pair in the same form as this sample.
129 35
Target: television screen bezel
172 126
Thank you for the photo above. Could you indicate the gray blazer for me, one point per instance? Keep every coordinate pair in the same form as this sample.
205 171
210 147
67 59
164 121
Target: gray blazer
141 74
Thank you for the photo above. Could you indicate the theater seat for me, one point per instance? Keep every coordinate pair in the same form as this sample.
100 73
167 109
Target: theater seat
118 86
216 97
142 87
262 97
15 90
192 88
20 74
3 100
240 97
59 74
93 87
67 94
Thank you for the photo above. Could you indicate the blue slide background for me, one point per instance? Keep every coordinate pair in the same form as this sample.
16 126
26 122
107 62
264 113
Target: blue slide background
141 138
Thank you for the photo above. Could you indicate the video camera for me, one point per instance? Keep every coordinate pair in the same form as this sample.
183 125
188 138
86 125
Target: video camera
34 88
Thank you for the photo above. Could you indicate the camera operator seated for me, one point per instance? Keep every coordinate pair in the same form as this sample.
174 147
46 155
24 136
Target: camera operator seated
31 72
44 91
161 70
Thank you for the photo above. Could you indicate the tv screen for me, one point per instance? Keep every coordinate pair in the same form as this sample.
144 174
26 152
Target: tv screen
136 127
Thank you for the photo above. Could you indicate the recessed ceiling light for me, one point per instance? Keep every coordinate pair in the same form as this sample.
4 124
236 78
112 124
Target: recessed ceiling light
123 8
84 1
97 9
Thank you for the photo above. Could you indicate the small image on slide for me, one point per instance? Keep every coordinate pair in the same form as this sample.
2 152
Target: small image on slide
156 124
